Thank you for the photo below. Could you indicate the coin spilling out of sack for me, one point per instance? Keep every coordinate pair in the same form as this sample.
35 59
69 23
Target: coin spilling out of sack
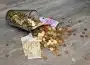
51 38
46 37
44 32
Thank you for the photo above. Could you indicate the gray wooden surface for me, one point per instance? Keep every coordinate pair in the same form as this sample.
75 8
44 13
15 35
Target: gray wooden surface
78 48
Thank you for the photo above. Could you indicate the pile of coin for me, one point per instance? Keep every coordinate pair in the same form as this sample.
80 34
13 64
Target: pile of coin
51 38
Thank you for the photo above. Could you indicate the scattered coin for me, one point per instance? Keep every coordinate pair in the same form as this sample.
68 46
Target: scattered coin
6 44
69 21
62 18
85 57
86 35
66 52
64 45
6 55
83 32
67 25
74 30
79 21
81 36
74 33
85 29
